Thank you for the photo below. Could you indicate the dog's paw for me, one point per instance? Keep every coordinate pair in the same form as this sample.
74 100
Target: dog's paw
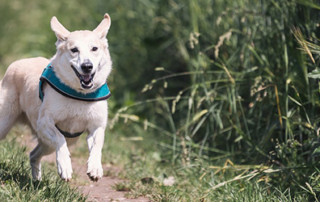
64 166
65 169
95 171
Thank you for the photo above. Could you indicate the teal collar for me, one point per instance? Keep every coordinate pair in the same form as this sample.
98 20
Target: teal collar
49 76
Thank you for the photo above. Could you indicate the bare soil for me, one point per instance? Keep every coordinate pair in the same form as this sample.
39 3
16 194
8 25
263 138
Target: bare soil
103 190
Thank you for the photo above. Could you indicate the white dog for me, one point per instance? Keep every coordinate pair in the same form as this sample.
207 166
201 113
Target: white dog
73 93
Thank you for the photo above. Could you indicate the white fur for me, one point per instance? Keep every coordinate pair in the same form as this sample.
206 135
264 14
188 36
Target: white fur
19 96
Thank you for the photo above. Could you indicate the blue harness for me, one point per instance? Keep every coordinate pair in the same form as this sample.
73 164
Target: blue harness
49 76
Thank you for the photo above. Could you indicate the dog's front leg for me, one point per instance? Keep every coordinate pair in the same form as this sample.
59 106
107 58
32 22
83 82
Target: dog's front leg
50 135
95 142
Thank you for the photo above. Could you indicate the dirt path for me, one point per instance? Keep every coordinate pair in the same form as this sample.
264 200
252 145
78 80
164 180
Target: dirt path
95 191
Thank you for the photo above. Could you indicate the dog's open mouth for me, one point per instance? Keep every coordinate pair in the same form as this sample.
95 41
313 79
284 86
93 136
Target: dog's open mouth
85 79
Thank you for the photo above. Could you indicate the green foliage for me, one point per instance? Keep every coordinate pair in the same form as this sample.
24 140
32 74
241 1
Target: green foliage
210 82
17 184
198 181
232 83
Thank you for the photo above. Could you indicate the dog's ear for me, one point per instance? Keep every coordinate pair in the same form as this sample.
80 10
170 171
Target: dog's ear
61 32
103 27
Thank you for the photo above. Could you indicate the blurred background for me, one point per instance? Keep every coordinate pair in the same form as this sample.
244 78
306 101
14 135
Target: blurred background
200 83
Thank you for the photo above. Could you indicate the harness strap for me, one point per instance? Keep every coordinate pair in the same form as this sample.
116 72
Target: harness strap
69 135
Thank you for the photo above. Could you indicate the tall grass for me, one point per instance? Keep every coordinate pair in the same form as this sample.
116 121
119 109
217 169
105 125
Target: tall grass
233 85
215 84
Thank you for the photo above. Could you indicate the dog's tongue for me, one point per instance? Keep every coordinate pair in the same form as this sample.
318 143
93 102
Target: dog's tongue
86 78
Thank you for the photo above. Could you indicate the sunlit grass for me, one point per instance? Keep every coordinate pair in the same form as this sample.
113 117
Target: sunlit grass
16 180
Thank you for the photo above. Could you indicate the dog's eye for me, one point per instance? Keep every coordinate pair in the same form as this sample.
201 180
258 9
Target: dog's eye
94 48
74 50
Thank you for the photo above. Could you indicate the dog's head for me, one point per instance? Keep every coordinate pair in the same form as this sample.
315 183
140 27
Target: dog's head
82 60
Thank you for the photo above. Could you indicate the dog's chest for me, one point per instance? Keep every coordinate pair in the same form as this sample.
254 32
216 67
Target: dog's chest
73 116
72 126
78 116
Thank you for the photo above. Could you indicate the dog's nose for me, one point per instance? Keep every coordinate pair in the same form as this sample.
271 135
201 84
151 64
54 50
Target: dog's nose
86 66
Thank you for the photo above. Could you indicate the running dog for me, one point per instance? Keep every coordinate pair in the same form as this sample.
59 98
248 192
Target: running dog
62 97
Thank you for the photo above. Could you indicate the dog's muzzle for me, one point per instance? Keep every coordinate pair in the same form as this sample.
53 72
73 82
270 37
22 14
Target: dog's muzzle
87 78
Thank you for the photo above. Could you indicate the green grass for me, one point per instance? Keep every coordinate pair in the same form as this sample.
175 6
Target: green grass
230 85
16 182
147 170
205 91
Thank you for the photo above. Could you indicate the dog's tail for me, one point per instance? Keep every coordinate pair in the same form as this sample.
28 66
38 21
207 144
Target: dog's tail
9 105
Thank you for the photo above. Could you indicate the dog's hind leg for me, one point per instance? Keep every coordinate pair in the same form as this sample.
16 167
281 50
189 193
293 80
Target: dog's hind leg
35 157
9 108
